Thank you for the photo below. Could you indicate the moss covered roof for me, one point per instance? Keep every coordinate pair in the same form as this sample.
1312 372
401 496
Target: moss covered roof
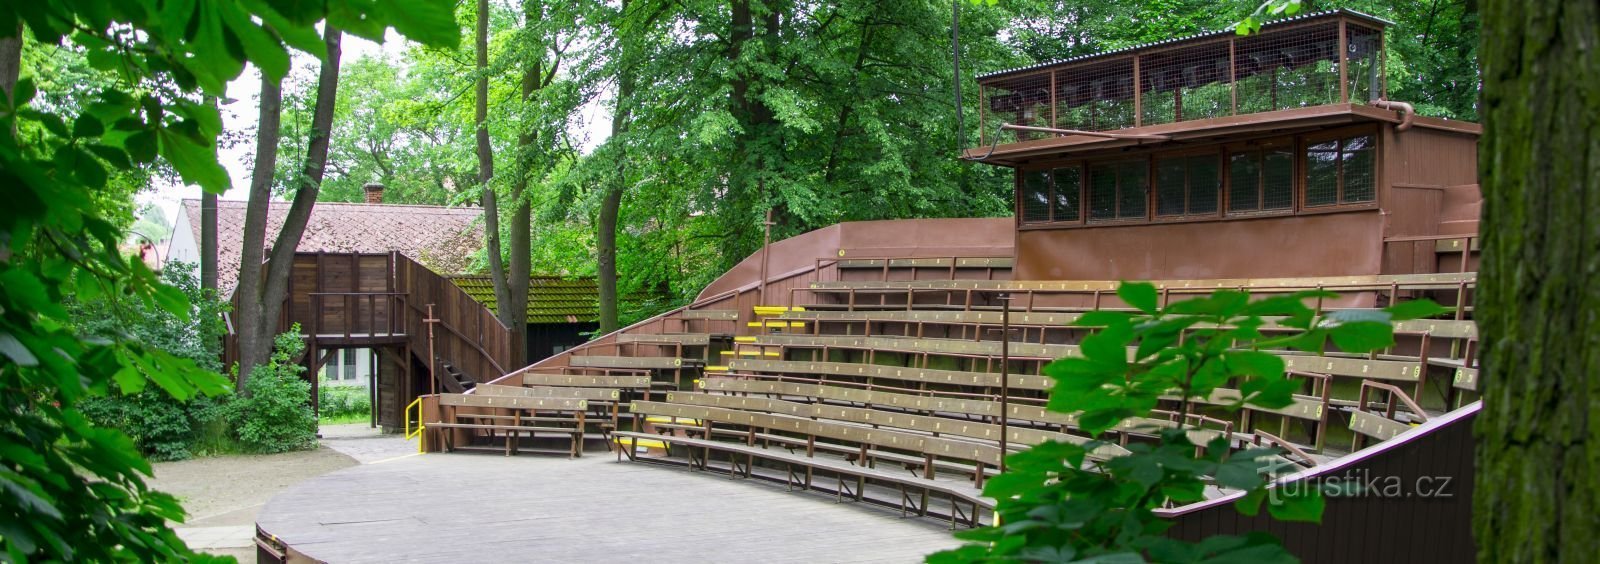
551 299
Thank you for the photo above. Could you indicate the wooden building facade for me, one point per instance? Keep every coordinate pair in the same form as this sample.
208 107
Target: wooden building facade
1272 155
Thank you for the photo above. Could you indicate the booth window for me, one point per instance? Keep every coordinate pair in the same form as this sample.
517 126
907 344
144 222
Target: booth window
1068 188
1260 181
1036 196
1118 190
1051 195
1187 185
1341 171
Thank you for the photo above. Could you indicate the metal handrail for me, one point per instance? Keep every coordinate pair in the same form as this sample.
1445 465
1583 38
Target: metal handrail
421 440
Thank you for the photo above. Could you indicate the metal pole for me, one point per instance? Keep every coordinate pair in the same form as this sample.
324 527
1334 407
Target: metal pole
433 361
766 244
1005 374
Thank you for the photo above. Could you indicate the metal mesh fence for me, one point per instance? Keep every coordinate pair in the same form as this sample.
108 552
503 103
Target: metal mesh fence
1096 97
1186 84
1364 54
1290 69
1292 66
1023 100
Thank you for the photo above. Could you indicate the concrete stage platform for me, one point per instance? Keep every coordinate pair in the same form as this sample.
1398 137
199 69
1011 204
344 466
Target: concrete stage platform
485 508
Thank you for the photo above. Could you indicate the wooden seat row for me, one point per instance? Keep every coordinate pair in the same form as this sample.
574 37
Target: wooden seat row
792 434
1447 281
1439 328
508 418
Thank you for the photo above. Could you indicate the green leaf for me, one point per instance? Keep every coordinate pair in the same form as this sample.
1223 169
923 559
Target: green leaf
22 92
260 47
1141 295
16 351
196 163
1362 336
429 22
1253 363
141 146
1102 318
1416 309
87 126
1297 503
27 293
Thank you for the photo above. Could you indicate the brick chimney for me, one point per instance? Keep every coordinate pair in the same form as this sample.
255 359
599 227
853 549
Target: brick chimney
374 193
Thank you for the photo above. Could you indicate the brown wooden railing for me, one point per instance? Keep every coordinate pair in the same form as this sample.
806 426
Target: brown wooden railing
356 314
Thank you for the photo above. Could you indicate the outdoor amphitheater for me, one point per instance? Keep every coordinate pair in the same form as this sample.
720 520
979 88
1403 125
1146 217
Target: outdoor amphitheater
845 395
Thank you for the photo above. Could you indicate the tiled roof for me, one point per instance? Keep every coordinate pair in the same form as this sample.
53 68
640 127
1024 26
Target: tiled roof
443 239
551 299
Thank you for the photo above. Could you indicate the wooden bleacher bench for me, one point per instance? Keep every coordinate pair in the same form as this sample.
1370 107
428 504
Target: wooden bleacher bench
1446 281
604 402
928 447
639 362
711 314
947 262
517 410
928 375
684 339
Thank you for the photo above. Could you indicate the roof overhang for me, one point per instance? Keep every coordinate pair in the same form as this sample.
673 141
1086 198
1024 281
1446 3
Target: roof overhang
1211 130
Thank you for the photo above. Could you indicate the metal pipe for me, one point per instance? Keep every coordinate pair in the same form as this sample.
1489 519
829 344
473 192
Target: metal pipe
1405 109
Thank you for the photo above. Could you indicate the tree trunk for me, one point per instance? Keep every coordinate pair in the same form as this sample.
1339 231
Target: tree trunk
10 65
208 241
611 205
1538 306
515 314
261 297
491 207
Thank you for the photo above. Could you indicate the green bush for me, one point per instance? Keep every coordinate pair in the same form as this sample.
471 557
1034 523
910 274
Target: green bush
275 414
162 428
342 401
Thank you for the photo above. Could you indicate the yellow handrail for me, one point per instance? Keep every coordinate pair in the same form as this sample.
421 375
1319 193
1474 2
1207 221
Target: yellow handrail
420 427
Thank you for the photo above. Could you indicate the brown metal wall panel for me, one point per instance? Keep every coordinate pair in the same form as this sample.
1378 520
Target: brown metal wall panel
1376 529
1329 244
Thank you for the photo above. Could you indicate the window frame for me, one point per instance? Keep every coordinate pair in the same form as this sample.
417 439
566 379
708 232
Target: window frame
1303 179
1217 152
1296 143
1117 219
1261 147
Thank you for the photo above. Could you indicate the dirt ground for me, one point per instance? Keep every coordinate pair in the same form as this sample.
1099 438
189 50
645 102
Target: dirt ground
223 494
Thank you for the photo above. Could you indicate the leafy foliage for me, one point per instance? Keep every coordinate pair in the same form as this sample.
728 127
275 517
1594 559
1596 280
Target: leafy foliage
336 401
1060 503
162 427
70 490
275 416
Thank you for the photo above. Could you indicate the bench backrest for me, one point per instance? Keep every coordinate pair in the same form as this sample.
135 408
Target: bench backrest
913 422
711 314
1366 282
686 339
1301 406
924 444
1394 370
593 394
959 262
1375 425
915 345
928 375
643 362
585 381
513 402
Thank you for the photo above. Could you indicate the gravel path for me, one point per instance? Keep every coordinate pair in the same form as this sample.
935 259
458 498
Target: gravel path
223 494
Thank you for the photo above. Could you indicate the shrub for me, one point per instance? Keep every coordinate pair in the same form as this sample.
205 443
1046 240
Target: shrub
275 414
162 428
342 401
